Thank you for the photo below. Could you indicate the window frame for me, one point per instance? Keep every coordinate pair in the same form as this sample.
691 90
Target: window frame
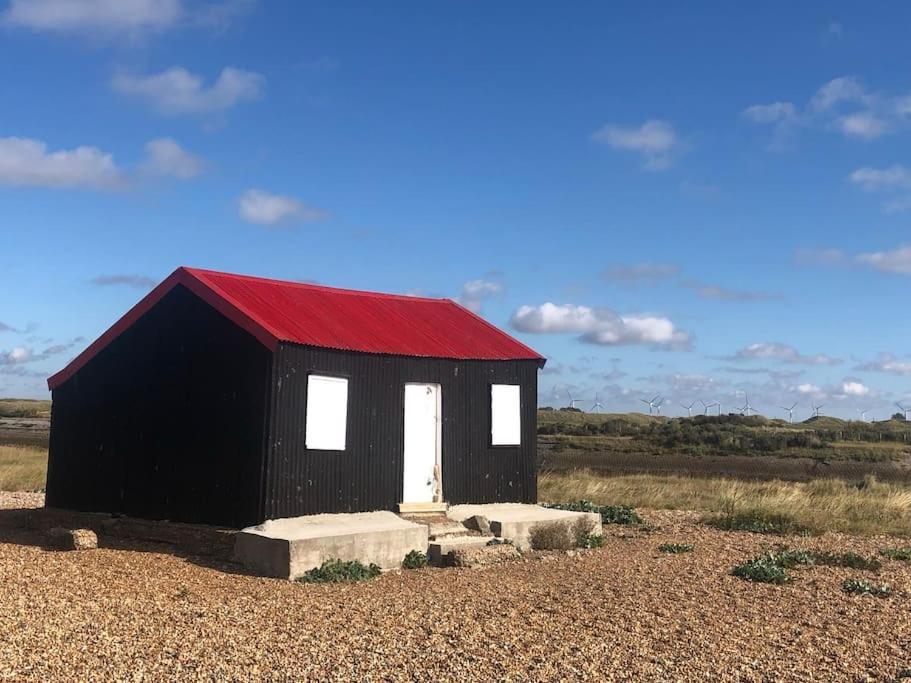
331 376
490 433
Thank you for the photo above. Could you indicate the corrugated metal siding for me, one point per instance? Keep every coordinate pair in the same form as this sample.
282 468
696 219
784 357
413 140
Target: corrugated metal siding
368 474
167 422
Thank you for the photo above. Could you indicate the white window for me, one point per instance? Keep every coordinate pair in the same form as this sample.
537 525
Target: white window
327 412
505 415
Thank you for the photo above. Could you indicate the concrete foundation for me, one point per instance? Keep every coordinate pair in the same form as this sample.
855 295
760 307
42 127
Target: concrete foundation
514 521
287 548
440 548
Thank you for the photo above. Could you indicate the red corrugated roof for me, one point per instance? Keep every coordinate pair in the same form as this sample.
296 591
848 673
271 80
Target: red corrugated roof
276 311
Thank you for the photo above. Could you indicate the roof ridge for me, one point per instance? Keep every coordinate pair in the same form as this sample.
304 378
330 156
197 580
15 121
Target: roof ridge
307 285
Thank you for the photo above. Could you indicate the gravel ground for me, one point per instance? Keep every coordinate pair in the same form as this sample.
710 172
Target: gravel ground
624 612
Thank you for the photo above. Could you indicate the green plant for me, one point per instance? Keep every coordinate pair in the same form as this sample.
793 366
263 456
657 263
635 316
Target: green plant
593 541
852 560
499 541
675 548
758 522
765 569
333 571
902 554
862 587
414 560
610 514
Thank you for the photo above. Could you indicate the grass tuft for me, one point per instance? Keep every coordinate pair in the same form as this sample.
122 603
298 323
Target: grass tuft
819 505
22 468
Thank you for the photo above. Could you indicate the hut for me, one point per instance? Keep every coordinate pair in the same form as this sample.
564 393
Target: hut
226 399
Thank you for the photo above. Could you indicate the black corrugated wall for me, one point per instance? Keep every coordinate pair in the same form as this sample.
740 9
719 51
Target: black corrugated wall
167 422
368 474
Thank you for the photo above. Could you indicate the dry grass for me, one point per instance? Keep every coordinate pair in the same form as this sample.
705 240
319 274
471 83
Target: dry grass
821 505
22 469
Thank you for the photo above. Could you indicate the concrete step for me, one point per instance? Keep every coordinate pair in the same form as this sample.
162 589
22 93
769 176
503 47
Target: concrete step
439 549
448 529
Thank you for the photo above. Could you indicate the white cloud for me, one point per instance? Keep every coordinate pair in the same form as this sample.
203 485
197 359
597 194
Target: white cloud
476 292
852 388
873 179
94 15
655 140
600 325
886 362
809 389
770 113
177 91
265 208
28 163
712 292
836 91
16 356
864 125
168 159
896 261
783 353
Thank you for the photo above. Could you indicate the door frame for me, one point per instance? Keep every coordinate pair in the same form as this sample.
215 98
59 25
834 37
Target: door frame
438 455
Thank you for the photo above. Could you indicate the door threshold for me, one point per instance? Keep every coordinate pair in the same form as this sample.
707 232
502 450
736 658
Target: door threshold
422 508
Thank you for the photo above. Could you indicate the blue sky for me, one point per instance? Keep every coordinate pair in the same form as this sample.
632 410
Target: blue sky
703 201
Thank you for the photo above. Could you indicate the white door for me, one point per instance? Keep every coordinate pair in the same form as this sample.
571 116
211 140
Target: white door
422 443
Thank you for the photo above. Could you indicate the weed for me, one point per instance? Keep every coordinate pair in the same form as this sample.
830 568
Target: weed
758 522
765 569
851 560
675 548
332 571
414 560
862 587
610 514
902 554
592 541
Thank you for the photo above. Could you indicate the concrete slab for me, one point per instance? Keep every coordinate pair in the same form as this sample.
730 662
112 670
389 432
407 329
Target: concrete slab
515 521
287 548
439 549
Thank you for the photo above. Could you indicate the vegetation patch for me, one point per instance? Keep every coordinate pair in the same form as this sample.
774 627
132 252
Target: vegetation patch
22 468
863 587
901 554
773 566
675 548
552 536
414 560
758 522
499 541
610 514
763 569
335 571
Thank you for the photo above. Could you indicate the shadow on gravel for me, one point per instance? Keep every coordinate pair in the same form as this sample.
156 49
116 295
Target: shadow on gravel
28 527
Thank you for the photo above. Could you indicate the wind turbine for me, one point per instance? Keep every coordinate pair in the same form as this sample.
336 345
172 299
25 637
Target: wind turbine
902 408
746 406
658 406
863 414
790 412
597 404
651 403
816 409
705 406
573 401
689 408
